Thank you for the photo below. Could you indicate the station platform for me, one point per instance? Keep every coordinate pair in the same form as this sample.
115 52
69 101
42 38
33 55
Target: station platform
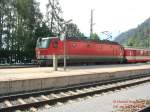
16 80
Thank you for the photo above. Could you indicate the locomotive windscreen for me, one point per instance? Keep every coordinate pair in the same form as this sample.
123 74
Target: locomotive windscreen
43 42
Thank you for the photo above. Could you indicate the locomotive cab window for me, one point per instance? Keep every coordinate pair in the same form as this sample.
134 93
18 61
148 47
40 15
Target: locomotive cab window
43 42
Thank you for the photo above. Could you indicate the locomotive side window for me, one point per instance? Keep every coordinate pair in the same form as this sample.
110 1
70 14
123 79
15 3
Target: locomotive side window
88 45
100 46
55 44
74 45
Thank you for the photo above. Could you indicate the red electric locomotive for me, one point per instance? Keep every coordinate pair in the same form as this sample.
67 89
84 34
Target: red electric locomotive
87 51
79 51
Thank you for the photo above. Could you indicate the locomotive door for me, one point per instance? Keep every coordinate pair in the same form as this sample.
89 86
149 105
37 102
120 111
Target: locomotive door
114 52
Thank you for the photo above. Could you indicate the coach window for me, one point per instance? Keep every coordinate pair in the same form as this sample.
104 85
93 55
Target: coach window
145 53
141 52
130 53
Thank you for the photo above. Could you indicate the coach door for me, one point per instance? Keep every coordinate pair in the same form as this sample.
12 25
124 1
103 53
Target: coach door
135 57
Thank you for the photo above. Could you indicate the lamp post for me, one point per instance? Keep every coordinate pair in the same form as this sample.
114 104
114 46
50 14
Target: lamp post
65 48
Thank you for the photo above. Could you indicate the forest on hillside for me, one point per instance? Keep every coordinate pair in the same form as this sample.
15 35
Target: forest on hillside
137 37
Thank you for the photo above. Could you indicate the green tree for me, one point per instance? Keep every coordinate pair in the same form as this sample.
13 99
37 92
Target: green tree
28 19
42 30
137 37
21 23
95 36
72 30
54 16
3 6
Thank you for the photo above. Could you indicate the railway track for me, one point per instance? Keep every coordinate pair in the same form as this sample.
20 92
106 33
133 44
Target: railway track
47 98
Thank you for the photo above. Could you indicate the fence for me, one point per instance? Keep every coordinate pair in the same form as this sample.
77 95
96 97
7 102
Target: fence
15 56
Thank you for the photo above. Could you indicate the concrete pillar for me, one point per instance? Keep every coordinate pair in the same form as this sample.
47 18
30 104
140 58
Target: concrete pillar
55 62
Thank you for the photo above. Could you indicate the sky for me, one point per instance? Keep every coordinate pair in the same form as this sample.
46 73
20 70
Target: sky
115 16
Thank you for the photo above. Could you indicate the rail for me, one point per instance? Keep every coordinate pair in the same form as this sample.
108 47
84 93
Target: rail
51 97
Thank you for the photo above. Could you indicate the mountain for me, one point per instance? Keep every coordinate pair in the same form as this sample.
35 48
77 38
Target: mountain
137 37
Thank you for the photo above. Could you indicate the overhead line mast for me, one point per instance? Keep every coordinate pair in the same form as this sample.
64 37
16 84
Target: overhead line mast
91 23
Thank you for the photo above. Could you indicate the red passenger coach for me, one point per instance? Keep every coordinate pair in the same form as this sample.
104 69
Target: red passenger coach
137 55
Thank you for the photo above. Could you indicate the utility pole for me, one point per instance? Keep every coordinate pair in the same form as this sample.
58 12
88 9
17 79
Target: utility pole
65 54
65 46
148 39
55 57
55 62
91 24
